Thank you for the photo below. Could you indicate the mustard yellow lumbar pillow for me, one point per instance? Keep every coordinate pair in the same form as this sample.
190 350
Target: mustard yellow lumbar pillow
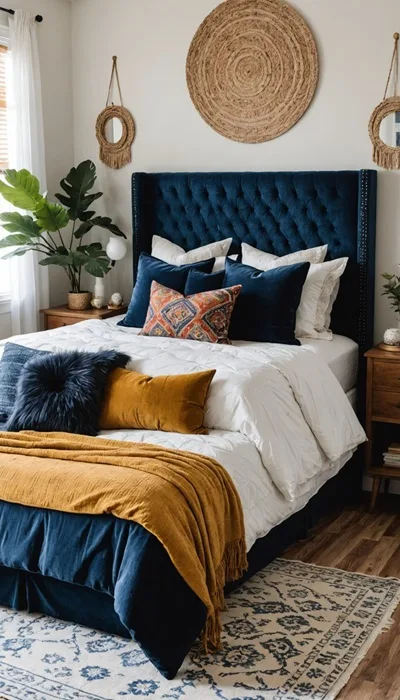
171 403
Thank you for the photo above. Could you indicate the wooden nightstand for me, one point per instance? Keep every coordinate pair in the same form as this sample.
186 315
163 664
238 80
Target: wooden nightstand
382 414
60 316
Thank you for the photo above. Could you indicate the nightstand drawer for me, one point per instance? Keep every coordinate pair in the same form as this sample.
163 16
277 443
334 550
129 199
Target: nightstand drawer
386 405
60 316
60 322
54 322
386 374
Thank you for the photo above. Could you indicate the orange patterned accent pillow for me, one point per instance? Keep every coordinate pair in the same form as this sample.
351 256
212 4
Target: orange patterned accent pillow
205 316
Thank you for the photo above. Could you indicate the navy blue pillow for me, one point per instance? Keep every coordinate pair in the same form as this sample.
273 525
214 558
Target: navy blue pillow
64 391
152 269
14 358
265 309
202 282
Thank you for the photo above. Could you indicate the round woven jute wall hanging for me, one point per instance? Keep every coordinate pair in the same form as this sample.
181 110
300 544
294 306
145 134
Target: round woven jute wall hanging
115 154
384 154
252 69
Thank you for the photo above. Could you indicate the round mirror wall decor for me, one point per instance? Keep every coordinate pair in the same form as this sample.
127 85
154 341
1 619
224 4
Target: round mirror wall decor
384 124
115 129
252 69
117 154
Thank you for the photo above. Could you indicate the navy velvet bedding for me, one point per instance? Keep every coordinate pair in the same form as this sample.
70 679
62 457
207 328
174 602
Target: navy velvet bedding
149 600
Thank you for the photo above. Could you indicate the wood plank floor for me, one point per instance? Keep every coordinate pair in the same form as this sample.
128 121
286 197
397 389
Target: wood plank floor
356 540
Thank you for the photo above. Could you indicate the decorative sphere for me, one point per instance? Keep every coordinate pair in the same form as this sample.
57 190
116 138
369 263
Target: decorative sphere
116 299
116 248
392 336
97 302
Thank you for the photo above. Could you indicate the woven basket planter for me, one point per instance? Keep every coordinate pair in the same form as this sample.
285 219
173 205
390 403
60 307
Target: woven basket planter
80 301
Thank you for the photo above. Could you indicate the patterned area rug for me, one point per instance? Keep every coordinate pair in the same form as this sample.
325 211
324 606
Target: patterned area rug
294 631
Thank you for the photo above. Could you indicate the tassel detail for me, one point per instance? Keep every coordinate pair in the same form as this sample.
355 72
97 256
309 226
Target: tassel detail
231 568
388 158
115 159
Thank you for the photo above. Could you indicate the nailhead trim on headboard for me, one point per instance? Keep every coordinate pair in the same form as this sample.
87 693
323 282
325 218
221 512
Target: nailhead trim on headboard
366 257
135 247
362 253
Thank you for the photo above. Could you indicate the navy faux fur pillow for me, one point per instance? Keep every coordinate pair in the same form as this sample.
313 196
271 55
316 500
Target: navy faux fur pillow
63 391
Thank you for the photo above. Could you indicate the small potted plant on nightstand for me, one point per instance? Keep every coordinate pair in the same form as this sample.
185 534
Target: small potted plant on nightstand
391 289
56 231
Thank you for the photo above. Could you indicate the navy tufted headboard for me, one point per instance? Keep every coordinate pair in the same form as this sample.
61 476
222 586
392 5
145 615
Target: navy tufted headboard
277 212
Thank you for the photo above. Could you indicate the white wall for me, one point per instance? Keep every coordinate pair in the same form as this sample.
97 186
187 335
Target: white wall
54 37
151 40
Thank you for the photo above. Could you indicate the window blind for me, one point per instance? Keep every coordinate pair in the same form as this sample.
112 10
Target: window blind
3 110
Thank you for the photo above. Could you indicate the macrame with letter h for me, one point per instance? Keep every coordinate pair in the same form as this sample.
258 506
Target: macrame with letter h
118 154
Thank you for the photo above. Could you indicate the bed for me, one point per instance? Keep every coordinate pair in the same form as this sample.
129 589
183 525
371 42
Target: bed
278 213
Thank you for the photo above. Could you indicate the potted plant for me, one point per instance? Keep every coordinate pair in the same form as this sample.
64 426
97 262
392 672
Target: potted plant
56 231
392 290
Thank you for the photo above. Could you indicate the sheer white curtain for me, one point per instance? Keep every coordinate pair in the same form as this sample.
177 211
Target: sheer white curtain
29 280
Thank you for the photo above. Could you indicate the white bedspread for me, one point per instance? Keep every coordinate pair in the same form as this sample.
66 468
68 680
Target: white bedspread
280 422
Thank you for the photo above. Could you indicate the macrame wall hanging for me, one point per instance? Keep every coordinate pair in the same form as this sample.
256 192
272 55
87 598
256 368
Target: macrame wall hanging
252 69
387 156
115 154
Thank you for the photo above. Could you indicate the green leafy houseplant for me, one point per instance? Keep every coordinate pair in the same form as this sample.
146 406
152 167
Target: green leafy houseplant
392 290
56 230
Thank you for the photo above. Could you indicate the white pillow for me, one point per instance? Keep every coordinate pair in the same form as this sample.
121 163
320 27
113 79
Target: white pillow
319 292
173 254
257 258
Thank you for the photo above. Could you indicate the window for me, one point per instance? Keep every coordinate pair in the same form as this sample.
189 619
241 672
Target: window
3 109
4 147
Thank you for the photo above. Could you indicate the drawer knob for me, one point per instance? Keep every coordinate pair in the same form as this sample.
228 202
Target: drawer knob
397 405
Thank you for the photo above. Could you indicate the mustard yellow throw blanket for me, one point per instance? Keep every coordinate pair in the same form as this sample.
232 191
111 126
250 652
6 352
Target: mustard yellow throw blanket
187 501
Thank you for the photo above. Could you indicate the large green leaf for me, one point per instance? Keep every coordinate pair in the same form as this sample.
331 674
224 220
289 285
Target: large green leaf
72 259
98 267
78 259
19 252
93 249
85 227
102 222
86 215
79 213
51 217
17 223
22 190
15 239
62 260
76 187
62 250
105 222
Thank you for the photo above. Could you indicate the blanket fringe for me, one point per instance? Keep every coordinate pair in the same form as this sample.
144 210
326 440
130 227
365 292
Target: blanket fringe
231 568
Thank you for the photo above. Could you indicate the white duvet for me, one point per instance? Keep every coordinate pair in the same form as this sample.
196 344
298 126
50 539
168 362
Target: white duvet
279 420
